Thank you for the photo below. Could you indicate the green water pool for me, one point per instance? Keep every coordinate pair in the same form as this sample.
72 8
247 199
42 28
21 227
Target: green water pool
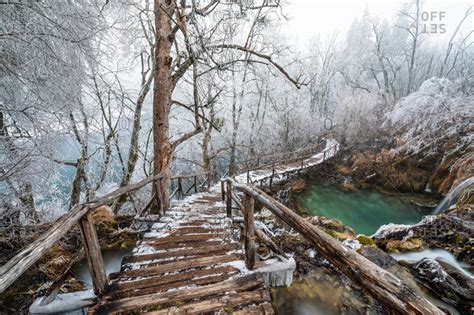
363 210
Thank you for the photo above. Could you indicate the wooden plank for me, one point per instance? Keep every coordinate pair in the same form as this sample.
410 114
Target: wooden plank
167 279
196 230
93 254
245 283
184 238
181 252
187 244
173 258
226 304
201 222
175 266
249 232
150 289
384 286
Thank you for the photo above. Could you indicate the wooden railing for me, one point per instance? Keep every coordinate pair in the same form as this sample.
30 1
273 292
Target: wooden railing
277 159
82 215
183 185
389 290
180 186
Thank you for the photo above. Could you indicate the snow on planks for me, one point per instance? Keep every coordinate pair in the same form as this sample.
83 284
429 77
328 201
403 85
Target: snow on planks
191 262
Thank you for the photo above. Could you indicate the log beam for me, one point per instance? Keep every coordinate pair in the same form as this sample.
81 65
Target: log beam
249 231
93 254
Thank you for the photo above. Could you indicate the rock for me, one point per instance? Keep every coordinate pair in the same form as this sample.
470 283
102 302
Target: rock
412 244
460 294
333 227
451 231
377 256
451 171
365 240
352 244
466 197
343 170
104 220
297 186
348 186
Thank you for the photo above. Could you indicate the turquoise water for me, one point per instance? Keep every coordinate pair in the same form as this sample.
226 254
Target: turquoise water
363 210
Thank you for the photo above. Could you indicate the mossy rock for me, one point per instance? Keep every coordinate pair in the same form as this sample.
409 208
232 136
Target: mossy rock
414 244
365 240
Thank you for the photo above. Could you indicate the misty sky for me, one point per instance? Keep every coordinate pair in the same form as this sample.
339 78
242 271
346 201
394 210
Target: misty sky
310 17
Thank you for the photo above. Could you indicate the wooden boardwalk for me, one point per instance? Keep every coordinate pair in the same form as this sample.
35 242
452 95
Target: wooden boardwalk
192 260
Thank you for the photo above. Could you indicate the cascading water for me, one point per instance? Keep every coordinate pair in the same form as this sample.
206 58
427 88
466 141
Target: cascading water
453 195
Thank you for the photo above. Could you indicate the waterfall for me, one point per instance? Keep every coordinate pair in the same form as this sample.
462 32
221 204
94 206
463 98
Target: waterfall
453 195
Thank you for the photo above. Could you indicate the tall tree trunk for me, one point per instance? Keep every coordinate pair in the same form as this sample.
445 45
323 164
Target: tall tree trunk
206 141
235 127
162 89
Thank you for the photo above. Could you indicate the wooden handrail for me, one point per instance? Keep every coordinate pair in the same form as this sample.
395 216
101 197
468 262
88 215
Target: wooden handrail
310 149
386 288
244 167
180 191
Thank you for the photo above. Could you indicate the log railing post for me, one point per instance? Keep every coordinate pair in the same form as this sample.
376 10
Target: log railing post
195 184
157 184
223 190
248 176
273 174
249 231
93 253
180 186
229 199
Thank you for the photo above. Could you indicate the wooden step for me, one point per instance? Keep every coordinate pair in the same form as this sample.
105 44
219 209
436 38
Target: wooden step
174 259
183 245
176 266
241 284
195 230
149 289
182 253
225 304
183 239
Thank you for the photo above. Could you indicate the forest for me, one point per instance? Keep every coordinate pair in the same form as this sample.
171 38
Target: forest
124 124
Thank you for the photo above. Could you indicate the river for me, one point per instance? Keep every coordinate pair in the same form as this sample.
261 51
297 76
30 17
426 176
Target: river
363 210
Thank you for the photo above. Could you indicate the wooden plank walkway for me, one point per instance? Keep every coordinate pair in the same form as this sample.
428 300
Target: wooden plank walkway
192 262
